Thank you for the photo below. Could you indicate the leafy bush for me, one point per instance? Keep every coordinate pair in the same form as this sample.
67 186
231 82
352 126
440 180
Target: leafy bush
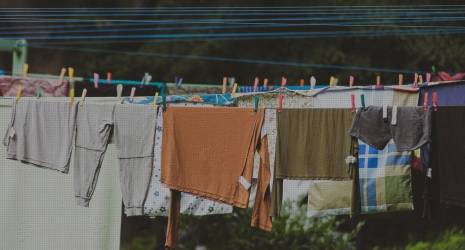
453 239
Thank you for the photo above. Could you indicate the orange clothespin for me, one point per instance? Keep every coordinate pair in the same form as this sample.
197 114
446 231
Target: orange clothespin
225 82
96 80
425 102
401 79
351 81
352 99
283 81
435 101
280 102
415 81
133 92
302 82
255 84
109 76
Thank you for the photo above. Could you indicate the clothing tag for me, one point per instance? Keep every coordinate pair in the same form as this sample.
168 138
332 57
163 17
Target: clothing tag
384 113
394 116
429 173
244 182
350 160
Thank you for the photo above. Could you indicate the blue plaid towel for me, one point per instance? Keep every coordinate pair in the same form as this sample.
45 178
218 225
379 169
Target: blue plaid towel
385 180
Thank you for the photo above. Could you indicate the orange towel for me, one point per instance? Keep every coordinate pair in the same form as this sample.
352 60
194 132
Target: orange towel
209 152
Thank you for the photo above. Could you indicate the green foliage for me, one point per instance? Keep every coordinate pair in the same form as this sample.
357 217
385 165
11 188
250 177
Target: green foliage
453 239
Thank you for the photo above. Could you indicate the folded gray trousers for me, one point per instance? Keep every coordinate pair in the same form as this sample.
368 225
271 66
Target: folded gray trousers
409 127
133 127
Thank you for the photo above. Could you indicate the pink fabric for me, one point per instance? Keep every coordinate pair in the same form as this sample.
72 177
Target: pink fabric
444 76
9 87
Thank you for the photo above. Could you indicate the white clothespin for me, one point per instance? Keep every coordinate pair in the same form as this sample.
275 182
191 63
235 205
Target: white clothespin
133 92
401 79
312 82
62 75
83 96
96 80
119 92
255 84
231 81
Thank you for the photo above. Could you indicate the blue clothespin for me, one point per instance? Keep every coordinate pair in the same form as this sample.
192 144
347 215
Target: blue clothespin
178 82
256 99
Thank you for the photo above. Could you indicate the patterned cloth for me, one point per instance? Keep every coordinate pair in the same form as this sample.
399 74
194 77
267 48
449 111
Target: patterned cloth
158 198
9 87
385 181
215 99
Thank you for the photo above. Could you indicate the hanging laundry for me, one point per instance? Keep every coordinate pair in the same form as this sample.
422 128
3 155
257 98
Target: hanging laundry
409 127
292 99
444 76
202 159
214 99
157 202
9 87
329 198
41 133
385 182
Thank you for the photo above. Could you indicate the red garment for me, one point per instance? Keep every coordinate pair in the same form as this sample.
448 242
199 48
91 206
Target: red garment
9 87
444 76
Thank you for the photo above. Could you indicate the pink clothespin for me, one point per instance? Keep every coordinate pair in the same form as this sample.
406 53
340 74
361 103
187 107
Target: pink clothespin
415 81
283 81
351 81
109 77
352 99
425 102
265 83
280 102
378 81
435 101
96 79
302 82
255 84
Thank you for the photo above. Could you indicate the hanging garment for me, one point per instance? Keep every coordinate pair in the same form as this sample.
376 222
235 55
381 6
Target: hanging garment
41 133
329 198
385 181
9 87
204 99
292 99
409 127
158 198
203 159
444 76
447 153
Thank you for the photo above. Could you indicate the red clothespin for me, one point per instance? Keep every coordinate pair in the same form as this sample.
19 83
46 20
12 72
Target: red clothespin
96 79
415 81
425 102
265 83
302 82
435 101
280 102
109 77
378 81
283 81
255 84
351 81
352 99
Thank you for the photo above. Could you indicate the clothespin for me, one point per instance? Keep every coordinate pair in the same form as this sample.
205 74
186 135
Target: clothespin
428 78
154 103
178 81
420 79
38 92
302 82
109 76
145 79
351 81
415 81
163 97
331 80
352 100
119 92
312 82
362 98
378 81
401 79
433 69
133 92
255 84
256 99
265 83
25 70
62 75
71 84
283 82
83 96
234 88
231 81
19 92
435 101
425 102
280 102
96 79
225 82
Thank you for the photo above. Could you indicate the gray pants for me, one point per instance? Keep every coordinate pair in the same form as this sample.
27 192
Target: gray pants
134 131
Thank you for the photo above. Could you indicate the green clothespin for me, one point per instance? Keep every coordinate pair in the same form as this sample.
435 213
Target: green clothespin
433 69
362 97
256 99
38 92
163 97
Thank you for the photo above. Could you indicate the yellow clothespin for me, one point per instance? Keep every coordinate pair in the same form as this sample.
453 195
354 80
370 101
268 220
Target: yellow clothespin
71 84
20 91
225 81
25 70
154 103
62 75
83 96
331 79
234 88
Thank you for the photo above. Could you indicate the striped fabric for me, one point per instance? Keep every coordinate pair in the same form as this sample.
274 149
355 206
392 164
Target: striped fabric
385 181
